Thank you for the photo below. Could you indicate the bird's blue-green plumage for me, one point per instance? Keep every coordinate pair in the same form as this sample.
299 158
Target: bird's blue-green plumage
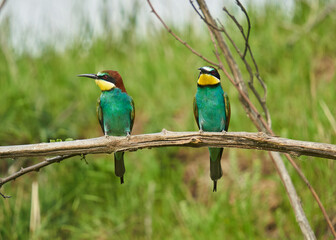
212 114
211 108
115 110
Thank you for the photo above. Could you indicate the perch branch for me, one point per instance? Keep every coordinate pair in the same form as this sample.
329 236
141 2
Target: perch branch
109 144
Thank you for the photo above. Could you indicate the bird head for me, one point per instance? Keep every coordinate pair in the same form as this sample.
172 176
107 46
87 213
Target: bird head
107 80
208 76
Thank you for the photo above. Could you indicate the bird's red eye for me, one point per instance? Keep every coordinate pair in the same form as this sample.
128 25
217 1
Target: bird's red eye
105 76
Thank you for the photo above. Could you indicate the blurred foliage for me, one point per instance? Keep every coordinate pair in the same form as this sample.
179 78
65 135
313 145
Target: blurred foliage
167 194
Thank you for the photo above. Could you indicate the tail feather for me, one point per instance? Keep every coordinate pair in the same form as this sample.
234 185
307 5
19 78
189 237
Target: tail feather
215 165
119 165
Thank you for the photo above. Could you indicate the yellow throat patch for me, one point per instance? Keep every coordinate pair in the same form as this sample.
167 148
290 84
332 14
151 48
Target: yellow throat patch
104 85
207 79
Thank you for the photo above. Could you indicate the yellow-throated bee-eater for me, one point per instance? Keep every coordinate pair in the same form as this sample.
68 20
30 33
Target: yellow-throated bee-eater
115 111
212 113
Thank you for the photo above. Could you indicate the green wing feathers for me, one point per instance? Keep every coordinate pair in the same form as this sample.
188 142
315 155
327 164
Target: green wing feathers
227 110
100 115
196 112
132 114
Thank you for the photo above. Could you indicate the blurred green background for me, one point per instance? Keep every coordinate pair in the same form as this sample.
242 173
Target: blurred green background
167 191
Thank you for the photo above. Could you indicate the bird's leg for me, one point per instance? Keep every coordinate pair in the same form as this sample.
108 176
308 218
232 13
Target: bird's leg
201 131
223 131
106 135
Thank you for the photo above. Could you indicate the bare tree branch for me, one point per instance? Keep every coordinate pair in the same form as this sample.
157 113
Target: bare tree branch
261 100
32 168
2 4
68 149
179 39
110 144
4 196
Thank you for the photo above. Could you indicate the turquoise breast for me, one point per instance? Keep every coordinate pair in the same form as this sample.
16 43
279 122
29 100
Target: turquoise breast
211 108
116 107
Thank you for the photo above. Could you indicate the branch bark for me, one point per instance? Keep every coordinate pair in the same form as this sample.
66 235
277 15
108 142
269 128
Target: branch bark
109 144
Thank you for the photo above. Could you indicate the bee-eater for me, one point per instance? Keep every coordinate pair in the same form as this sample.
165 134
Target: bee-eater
212 114
115 111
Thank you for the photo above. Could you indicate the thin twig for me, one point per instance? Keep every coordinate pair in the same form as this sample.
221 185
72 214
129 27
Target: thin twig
4 196
261 100
317 198
2 4
35 167
248 26
179 39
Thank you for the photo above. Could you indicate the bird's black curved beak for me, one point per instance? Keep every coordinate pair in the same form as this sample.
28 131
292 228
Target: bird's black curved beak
201 69
94 76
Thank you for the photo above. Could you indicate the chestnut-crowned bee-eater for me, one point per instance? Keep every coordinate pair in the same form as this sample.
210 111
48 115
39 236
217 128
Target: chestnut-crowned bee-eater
115 111
212 114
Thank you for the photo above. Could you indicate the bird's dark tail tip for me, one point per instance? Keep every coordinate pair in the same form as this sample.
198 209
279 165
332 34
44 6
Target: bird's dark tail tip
214 186
121 180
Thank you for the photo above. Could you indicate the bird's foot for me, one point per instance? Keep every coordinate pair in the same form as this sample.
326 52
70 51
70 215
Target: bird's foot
224 131
214 186
105 135
128 136
164 131
201 131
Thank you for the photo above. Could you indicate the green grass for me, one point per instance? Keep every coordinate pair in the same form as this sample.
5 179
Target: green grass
167 194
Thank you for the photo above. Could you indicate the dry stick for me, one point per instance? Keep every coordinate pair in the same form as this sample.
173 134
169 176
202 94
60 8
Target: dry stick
110 144
179 39
276 157
67 149
32 168
262 101
248 27
4 196
312 190
2 4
